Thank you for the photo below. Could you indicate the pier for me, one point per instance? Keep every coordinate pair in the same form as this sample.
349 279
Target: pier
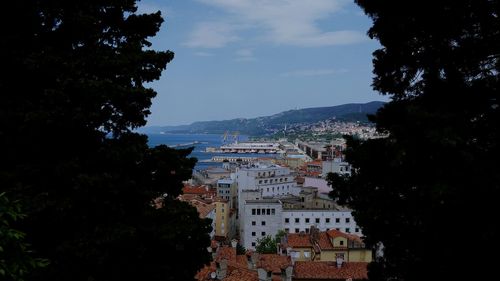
184 144
234 159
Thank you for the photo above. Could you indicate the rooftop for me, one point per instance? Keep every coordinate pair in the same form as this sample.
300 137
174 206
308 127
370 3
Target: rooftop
330 271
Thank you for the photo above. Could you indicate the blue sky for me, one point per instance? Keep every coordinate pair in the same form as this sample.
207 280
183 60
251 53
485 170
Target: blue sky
249 58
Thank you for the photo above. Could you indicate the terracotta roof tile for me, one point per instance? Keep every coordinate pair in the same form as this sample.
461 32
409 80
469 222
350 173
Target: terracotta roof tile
273 262
329 270
324 241
242 275
335 233
226 252
297 240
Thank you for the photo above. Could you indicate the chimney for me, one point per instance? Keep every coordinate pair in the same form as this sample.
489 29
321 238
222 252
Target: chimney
286 273
264 275
252 259
221 269
340 261
234 243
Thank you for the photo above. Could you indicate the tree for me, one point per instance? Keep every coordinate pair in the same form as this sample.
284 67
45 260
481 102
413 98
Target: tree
72 87
416 191
268 244
16 260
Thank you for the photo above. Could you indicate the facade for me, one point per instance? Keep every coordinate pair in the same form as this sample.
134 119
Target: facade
227 189
222 213
270 179
336 166
301 220
329 245
260 218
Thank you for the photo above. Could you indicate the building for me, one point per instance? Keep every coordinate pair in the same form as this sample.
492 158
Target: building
259 219
336 166
227 189
325 270
229 266
329 245
222 215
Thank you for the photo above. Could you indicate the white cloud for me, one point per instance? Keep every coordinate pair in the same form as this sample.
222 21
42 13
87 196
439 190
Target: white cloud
212 35
144 7
287 22
244 55
313 72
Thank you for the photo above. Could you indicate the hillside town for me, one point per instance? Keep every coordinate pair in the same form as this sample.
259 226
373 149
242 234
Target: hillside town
284 199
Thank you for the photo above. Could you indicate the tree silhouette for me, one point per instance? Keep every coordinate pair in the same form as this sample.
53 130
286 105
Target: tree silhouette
72 87
428 190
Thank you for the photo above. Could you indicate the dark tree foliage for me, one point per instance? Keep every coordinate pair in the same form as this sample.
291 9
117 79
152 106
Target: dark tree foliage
72 90
16 258
428 192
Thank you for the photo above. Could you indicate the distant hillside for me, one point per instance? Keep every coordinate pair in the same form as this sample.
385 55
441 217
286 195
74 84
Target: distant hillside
269 124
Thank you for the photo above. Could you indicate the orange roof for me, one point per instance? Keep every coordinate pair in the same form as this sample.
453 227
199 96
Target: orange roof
203 208
333 233
202 189
330 271
298 240
242 275
324 241
226 252
273 262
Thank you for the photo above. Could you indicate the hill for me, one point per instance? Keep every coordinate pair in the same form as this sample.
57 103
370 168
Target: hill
269 124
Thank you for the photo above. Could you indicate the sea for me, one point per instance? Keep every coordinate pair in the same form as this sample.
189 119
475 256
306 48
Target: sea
202 142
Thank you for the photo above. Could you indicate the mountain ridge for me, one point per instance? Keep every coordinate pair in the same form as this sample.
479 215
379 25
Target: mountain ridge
259 126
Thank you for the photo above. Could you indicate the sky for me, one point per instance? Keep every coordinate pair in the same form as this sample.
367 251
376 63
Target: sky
250 58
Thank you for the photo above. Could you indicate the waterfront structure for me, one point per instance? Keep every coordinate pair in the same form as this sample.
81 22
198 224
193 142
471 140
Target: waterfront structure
251 147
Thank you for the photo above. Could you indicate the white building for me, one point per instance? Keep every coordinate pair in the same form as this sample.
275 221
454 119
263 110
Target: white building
261 218
336 166
270 179
296 220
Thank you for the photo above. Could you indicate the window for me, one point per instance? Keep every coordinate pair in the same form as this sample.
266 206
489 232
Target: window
253 233
287 230
263 223
263 233
253 223
253 212
297 220
317 220
341 242
347 230
356 229
268 211
347 220
307 254
258 211
337 229
297 230
287 220
268 189
273 212
253 244
307 230
263 211
327 220
337 220
307 220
